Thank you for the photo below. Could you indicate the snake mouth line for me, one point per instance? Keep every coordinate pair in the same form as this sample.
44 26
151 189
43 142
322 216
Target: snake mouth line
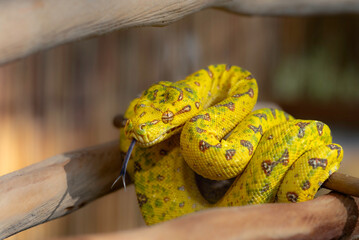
142 140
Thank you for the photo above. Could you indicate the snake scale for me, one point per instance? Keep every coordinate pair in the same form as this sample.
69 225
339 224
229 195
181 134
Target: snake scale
205 124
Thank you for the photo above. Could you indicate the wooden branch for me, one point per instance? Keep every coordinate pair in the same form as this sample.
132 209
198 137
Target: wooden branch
28 26
64 183
56 186
333 216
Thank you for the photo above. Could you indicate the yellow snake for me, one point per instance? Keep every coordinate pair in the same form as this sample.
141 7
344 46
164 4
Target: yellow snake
274 157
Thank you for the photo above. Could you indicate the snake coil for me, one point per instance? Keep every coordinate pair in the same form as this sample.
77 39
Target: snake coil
180 129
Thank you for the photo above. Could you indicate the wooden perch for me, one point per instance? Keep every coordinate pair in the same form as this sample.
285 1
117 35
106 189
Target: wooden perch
56 186
64 183
333 216
28 26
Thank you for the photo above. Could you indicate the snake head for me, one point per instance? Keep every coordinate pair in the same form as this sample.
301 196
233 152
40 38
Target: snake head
161 112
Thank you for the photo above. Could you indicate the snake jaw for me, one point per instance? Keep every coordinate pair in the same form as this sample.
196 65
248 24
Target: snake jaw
145 141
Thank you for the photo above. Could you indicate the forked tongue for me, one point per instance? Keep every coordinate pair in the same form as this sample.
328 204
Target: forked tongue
124 165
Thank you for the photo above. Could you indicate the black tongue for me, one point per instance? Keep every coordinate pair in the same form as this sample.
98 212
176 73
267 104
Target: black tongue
124 165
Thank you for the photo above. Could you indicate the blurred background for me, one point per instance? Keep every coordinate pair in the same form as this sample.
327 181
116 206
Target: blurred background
66 97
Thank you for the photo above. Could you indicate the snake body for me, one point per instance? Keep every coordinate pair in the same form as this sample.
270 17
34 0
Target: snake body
273 156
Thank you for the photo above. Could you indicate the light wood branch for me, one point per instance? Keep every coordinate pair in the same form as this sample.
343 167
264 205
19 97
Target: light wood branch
333 216
56 186
28 26
66 182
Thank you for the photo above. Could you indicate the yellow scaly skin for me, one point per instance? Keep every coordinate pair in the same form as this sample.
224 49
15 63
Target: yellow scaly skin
275 157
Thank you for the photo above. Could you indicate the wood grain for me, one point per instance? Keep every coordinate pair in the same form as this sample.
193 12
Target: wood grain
28 26
64 183
56 186
333 216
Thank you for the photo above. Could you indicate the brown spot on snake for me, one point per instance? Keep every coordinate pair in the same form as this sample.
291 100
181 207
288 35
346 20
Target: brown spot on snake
229 105
204 117
306 185
301 126
261 115
142 199
335 147
197 104
256 129
230 153
318 162
203 145
250 93
292 197
320 126
184 109
167 116
248 145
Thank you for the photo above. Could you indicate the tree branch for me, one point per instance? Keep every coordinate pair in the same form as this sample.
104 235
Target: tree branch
333 216
56 186
28 26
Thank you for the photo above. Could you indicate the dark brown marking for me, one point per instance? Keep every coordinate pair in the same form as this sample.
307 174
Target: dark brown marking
209 72
261 115
141 126
142 114
270 137
256 129
203 145
250 93
284 159
335 147
265 188
155 94
267 167
184 110
301 126
292 197
286 116
160 178
273 113
248 145
306 185
229 105
166 199
249 77
200 130
157 109
167 116
230 153
180 97
204 117
138 167
188 90
163 152
197 105
318 162
154 122
320 126
228 67
197 83
142 199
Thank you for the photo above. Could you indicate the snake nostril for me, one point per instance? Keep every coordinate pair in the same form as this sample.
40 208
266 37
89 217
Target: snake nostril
141 126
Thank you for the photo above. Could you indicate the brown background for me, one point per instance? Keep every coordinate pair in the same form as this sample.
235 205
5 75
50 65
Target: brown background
65 98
